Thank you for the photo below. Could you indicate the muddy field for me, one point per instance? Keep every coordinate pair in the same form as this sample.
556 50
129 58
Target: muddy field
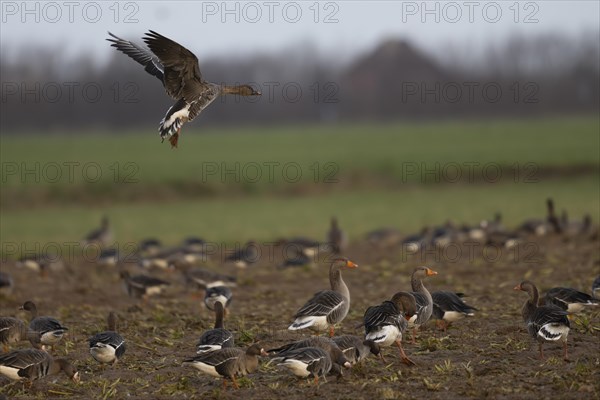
487 356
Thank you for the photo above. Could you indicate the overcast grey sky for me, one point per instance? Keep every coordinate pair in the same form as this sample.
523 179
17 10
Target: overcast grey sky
341 28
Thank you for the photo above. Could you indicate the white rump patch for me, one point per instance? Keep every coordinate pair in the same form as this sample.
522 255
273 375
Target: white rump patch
554 331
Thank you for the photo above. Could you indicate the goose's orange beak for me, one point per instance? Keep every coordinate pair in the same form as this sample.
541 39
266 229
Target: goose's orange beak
350 264
431 272
518 287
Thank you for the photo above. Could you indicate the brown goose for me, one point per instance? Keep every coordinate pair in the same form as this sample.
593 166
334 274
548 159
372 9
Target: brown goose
544 323
327 307
335 353
423 299
386 323
12 330
177 68
336 237
308 362
32 364
102 236
43 331
228 363
356 348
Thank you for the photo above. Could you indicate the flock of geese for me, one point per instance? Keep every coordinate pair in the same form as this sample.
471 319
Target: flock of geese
385 324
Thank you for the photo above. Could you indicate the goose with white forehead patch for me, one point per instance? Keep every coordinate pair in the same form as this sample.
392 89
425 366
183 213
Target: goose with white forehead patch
327 307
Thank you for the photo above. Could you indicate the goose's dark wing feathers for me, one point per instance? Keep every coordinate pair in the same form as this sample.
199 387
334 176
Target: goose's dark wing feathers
181 69
150 62
321 304
384 314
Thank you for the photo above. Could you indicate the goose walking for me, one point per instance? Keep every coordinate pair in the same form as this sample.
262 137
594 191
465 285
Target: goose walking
544 323
327 307
178 70
308 362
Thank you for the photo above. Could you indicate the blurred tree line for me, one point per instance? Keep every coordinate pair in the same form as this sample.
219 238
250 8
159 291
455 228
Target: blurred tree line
548 74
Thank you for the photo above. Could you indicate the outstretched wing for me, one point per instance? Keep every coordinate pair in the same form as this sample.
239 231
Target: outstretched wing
181 67
150 62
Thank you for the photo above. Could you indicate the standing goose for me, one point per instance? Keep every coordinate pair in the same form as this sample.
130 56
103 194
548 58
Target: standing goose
216 338
356 348
385 324
101 236
544 323
43 331
12 330
570 300
448 307
228 363
178 70
108 347
32 364
336 238
335 353
308 362
423 299
327 307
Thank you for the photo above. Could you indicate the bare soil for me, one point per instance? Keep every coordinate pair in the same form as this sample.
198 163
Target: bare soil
487 356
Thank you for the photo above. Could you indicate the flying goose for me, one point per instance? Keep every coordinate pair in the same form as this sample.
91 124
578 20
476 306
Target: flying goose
178 70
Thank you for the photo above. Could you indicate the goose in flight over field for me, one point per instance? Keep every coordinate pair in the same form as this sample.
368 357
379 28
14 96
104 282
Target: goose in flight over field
177 68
